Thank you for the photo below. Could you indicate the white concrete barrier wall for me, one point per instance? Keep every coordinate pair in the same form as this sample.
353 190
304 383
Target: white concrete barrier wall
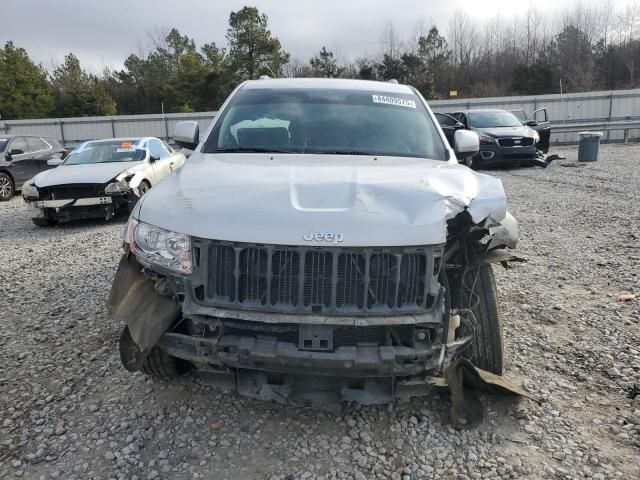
570 108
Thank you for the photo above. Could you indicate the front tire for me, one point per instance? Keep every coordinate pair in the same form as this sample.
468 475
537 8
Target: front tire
487 349
144 187
7 188
157 363
161 365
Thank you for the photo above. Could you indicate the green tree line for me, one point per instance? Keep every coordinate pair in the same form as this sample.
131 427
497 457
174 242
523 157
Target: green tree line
581 49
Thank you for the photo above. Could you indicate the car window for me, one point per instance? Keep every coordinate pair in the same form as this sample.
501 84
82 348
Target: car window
495 119
157 150
37 144
520 115
106 152
3 143
167 147
18 143
324 121
445 120
53 142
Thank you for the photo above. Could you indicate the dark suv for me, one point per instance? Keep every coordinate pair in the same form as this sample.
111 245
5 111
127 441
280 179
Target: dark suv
504 140
22 157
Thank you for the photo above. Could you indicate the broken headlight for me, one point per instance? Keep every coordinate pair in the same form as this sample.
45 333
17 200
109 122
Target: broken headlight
161 247
117 187
30 192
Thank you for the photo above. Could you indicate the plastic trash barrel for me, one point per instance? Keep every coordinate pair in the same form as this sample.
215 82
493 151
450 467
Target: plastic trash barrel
589 146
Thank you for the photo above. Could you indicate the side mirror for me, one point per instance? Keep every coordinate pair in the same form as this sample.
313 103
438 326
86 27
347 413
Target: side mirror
13 152
532 123
54 162
187 134
153 158
467 144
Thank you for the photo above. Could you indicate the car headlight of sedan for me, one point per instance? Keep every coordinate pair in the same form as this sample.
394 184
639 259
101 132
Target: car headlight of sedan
29 191
158 246
115 188
487 140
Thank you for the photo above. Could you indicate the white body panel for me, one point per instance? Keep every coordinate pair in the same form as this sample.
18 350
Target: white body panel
280 199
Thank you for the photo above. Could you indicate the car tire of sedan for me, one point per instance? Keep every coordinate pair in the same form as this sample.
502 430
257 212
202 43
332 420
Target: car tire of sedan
144 187
44 222
161 365
486 349
7 188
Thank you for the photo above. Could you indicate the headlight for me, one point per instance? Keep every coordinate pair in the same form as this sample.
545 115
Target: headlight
30 192
536 137
487 140
117 187
158 246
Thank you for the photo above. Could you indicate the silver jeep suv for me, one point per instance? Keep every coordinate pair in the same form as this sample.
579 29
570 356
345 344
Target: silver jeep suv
322 243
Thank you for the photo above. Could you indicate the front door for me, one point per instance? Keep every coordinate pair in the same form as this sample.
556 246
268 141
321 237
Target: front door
22 164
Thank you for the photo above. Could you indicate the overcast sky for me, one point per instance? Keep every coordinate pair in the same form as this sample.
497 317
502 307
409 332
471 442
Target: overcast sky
103 32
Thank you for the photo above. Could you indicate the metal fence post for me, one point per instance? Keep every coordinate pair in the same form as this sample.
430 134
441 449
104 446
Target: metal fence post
62 133
610 113
113 128
166 129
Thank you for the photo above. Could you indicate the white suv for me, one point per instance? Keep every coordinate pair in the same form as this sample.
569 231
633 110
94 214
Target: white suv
321 243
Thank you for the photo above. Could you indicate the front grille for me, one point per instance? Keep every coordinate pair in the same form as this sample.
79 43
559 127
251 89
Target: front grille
515 142
322 280
71 192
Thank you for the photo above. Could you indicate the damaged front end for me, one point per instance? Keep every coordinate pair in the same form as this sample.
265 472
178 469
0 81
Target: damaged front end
317 325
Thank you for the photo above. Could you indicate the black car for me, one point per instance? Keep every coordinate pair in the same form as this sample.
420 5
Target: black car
449 126
22 157
539 121
504 140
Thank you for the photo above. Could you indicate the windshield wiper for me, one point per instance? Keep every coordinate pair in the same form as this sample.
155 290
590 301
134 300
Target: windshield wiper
250 150
339 152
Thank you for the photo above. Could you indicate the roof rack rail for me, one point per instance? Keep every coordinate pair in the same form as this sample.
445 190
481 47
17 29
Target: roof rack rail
392 80
265 77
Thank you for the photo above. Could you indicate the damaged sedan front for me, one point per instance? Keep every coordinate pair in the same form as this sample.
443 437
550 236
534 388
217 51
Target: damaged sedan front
322 244
99 178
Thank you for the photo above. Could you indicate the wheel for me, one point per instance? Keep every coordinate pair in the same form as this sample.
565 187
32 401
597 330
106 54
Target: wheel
7 188
486 349
160 364
44 222
144 187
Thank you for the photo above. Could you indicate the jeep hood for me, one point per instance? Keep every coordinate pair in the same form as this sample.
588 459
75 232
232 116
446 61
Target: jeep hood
279 199
87 173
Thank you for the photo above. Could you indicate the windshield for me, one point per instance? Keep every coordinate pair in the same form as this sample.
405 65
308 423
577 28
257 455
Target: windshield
493 120
356 122
3 143
106 152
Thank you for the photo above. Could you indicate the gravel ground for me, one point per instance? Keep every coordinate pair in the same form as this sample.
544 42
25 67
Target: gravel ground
69 410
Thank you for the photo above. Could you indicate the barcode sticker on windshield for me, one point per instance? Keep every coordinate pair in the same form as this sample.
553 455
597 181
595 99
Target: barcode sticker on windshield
122 150
400 102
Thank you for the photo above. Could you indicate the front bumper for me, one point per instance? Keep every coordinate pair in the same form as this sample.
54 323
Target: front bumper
497 156
79 202
364 358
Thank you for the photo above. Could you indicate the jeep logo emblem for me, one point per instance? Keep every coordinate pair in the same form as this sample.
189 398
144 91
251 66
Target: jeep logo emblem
334 238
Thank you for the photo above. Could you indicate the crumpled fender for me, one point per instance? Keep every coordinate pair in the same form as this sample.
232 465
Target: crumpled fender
465 380
135 301
505 234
